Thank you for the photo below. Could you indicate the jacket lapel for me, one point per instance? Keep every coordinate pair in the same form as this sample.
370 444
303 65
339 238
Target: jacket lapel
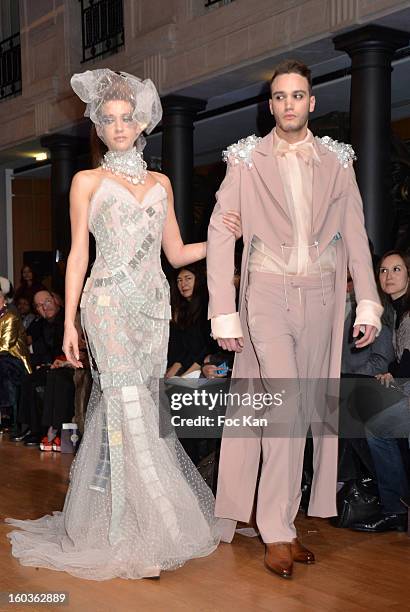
267 167
321 178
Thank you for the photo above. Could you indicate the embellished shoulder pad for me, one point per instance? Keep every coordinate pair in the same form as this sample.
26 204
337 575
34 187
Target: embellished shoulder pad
241 151
344 152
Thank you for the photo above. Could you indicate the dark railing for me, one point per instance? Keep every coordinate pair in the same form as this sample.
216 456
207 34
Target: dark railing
221 2
10 66
102 27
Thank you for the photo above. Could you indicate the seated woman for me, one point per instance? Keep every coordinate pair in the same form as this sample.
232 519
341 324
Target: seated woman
388 428
14 356
190 331
190 337
355 461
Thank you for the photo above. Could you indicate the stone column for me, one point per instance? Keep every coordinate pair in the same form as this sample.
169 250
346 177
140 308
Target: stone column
371 49
63 156
178 155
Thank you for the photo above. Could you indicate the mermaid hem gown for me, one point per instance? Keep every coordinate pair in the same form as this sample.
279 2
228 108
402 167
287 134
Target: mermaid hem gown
136 504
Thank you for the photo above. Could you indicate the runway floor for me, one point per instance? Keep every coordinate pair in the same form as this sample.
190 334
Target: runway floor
355 572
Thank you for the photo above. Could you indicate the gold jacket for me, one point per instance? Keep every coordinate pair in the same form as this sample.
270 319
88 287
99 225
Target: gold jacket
13 338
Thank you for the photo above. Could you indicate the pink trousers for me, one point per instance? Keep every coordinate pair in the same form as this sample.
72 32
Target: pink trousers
290 329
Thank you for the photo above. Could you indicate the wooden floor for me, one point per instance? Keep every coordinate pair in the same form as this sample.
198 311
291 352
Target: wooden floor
354 572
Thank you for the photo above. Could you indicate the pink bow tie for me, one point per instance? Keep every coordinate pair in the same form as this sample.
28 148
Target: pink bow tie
305 150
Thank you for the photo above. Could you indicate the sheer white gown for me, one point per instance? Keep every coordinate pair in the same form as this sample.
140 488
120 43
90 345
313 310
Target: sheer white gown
136 504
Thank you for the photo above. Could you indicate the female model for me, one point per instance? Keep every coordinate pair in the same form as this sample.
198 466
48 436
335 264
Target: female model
136 504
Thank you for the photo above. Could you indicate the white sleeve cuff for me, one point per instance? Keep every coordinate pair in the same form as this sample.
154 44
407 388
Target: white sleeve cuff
226 326
368 313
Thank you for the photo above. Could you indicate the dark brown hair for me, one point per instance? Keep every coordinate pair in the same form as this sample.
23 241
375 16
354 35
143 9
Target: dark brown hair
292 66
406 259
186 313
34 281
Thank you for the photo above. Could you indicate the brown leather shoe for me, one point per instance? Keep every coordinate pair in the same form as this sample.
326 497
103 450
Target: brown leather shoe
300 554
278 559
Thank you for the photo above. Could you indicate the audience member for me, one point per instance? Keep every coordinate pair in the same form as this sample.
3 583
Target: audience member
388 429
372 359
7 289
47 331
355 461
14 357
29 285
26 314
46 340
190 331
60 393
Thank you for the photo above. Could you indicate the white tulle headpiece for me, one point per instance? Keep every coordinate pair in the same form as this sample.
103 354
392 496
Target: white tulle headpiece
95 87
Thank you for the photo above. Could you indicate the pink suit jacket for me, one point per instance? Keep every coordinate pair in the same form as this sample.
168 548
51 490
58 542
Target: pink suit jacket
256 192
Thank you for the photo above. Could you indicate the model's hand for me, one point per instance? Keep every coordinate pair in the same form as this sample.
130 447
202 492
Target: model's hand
231 344
209 370
232 220
368 336
385 379
70 346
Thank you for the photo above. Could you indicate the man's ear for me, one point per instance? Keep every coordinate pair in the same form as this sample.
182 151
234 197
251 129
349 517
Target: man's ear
312 104
271 106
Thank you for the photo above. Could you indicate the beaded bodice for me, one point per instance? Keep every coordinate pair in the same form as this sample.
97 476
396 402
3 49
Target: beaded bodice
128 245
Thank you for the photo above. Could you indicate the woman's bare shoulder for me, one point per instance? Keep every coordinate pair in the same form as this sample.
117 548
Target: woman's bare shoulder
161 178
87 179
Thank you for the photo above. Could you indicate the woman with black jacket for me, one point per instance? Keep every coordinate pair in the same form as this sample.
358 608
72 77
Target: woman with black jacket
190 331
388 430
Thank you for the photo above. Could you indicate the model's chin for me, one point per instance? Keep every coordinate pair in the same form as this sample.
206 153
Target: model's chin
290 126
122 145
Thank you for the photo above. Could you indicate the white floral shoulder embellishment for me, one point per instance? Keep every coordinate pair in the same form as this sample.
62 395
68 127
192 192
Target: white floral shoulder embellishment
344 152
241 151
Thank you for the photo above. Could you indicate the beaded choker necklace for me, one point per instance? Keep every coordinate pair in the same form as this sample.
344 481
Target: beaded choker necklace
129 165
